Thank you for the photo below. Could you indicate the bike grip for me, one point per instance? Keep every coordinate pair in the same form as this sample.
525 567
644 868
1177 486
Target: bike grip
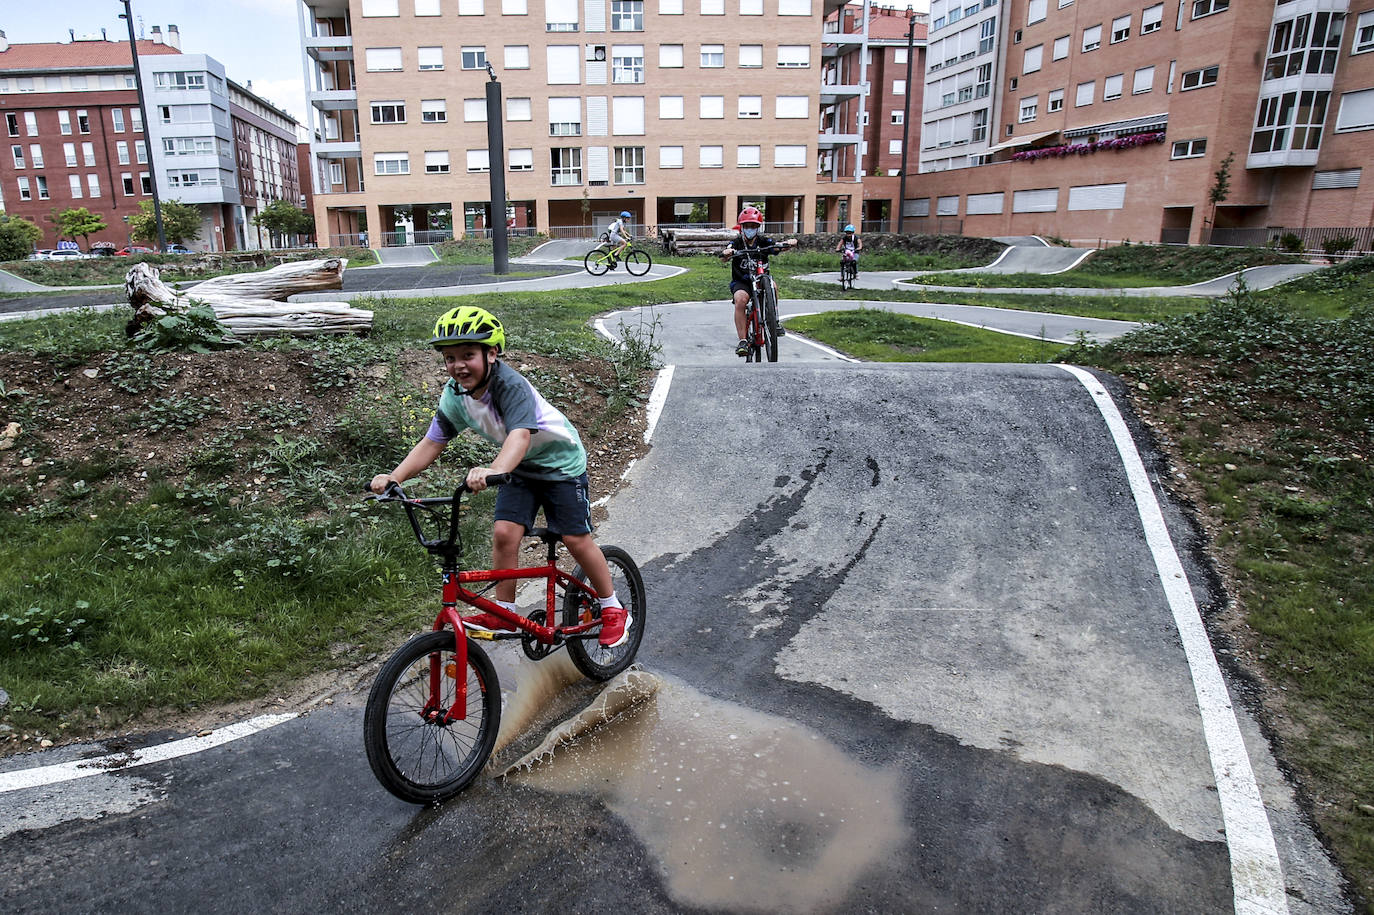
498 479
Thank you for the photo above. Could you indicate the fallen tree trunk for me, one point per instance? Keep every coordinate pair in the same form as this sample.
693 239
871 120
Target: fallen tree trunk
253 303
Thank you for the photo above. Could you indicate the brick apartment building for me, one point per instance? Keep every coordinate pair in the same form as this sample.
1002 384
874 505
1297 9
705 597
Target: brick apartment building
1109 119
658 107
76 137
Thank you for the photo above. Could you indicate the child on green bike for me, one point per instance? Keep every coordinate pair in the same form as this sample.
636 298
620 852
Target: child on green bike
539 446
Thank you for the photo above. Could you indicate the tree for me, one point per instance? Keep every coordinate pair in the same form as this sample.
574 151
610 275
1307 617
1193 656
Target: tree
18 237
1221 185
79 221
180 222
281 218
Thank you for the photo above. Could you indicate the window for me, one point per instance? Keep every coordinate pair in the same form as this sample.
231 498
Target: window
897 117
1035 12
92 185
986 33
794 7
388 112
899 87
517 57
471 8
25 192
1189 149
116 119
561 16
1055 101
565 117
980 126
1061 47
69 152
140 151
381 8
712 107
136 120
436 161
12 122
474 58
1208 7
336 175
1306 44
1151 18
792 106
670 55
670 157
1111 87
88 154
711 157
434 111
478 160
128 181
1121 28
750 106
563 64
382 60
751 7
83 122
566 165
179 81
1144 80
145 184
518 109
427 7
1356 111
751 56
984 84
391 163
894 147
713 55
1031 61
520 160
1196 79
670 107
713 7
627 115
1364 34
64 122
747 156
627 16
1085 94
629 165
122 151
627 63
42 187
1092 38
1292 120
1029 107
30 124
474 110
789 156
794 55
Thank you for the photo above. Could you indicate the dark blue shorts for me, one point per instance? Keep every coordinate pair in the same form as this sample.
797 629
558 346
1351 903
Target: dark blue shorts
567 507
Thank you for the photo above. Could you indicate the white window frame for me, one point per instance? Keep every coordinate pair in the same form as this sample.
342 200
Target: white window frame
794 56
748 157
712 56
711 157
751 56
750 106
519 108
1152 19
436 162
516 56
1121 28
1092 38
434 111
474 110
1189 149
711 107
1061 47
383 60
670 56
478 161
429 57
670 157
1202 81
520 159
1112 87
1083 98
1143 80
789 156
1032 59
671 108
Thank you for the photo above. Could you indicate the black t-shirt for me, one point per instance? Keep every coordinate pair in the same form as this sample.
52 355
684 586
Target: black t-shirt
739 243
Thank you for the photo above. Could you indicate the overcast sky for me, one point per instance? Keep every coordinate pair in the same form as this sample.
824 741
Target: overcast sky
256 40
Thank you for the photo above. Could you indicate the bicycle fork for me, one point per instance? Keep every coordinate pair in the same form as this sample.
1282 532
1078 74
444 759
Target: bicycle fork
455 669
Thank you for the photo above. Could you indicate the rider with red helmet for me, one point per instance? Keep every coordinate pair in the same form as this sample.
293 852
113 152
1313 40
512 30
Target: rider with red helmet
749 238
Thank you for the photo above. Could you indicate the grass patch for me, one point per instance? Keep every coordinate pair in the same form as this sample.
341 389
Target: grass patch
884 336
479 250
1271 410
110 271
1129 266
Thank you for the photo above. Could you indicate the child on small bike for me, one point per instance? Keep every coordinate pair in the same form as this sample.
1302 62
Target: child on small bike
750 222
539 447
618 234
850 245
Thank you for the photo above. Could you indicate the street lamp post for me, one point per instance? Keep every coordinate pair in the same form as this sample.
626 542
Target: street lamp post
906 114
496 170
128 16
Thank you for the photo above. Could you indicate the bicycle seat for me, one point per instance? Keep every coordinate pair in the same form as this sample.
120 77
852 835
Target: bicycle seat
544 534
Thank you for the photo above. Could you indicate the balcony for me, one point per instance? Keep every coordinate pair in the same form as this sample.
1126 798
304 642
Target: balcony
831 139
333 99
328 48
337 149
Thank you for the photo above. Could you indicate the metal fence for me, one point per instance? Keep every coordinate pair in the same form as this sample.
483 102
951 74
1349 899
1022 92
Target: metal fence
1311 239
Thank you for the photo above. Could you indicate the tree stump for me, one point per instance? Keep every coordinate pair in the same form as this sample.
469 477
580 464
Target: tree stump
253 304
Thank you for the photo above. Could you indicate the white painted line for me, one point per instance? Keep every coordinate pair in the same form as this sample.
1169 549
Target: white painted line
1256 874
657 398
793 335
1081 258
116 762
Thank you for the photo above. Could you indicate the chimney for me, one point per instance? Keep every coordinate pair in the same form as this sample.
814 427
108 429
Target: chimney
157 34
4 43
174 37
103 36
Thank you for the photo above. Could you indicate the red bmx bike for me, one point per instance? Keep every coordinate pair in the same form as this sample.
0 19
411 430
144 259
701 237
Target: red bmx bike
435 708
761 314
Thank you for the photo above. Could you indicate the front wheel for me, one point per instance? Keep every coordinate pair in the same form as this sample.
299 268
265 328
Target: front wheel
638 261
414 750
770 321
596 662
596 261
754 332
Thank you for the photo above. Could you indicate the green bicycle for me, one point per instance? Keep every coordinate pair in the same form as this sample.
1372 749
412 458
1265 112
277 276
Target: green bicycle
601 258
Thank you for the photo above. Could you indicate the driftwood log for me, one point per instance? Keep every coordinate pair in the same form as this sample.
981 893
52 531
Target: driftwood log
252 304
695 241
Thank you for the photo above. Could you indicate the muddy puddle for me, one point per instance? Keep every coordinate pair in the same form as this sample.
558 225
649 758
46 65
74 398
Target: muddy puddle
743 810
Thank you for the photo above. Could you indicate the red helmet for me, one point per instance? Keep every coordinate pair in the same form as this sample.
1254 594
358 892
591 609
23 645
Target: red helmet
750 214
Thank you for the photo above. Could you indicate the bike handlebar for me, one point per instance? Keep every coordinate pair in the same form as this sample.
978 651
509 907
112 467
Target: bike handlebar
394 493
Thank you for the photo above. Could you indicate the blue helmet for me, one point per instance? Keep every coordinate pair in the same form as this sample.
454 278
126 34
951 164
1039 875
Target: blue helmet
625 214
849 228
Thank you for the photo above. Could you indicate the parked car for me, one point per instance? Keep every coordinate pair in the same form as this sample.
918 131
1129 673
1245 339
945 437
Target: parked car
179 249
67 254
41 254
132 249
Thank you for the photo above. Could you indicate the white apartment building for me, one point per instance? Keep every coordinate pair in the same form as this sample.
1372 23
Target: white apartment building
963 62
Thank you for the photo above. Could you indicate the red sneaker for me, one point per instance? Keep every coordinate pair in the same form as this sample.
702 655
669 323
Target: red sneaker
488 621
615 626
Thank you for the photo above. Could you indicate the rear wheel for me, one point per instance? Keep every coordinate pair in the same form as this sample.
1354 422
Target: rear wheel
638 261
751 328
595 261
416 753
770 321
591 658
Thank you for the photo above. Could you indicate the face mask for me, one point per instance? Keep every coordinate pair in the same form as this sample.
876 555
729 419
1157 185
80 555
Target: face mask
750 233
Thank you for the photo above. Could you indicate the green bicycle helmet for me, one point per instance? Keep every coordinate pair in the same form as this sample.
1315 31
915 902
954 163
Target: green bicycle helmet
468 324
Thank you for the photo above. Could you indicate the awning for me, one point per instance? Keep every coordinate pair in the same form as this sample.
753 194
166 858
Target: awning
1148 124
1017 141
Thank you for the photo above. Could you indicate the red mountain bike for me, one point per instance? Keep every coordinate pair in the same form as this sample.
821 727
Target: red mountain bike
435 708
761 314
